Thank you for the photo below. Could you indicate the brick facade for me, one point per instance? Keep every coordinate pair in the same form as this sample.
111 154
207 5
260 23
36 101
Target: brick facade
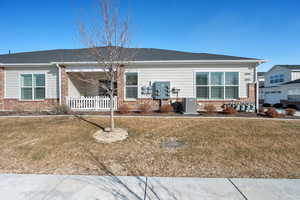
64 80
17 105
1 88
120 84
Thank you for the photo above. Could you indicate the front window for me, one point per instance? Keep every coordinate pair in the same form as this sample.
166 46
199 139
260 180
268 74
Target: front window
217 85
33 86
277 78
131 85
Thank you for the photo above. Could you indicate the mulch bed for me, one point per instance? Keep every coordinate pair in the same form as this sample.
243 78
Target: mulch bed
202 114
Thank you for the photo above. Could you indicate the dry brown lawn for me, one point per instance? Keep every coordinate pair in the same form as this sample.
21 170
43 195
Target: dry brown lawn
213 147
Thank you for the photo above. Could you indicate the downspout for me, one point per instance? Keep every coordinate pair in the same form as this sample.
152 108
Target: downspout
59 82
256 89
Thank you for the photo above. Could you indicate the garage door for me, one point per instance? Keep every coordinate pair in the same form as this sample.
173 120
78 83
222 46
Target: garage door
272 98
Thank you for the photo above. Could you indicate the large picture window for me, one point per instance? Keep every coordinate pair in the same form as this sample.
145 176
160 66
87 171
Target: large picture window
217 85
131 85
33 86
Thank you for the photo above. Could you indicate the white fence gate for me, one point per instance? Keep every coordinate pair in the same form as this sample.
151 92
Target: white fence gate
91 103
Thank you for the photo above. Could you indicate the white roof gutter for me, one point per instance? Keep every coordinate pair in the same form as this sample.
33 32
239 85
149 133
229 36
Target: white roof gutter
138 62
25 64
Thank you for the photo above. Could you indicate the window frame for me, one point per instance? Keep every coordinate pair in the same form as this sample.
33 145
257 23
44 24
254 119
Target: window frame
125 86
210 86
276 78
33 87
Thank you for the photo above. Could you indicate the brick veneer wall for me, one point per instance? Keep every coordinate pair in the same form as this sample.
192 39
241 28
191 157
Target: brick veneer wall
120 85
64 84
1 88
18 105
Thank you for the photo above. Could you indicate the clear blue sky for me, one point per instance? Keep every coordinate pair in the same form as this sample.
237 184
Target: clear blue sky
267 29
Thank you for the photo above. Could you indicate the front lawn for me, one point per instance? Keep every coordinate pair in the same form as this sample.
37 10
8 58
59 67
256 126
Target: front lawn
212 147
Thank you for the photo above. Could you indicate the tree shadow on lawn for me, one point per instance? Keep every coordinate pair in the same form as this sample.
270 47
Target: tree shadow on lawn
90 122
119 188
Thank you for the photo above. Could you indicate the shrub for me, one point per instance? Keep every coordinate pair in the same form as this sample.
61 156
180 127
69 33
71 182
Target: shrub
60 109
278 105
290 111
209 108
177 106
145 108
272 112
230 110
267 105
166 108
124 109
293 106
261 109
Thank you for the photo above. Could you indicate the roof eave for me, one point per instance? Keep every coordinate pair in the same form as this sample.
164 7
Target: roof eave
138 62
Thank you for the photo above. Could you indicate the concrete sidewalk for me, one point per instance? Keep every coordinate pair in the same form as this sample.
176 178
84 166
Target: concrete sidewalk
59 187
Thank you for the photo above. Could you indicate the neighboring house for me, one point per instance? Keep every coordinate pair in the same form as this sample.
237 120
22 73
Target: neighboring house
261 78
261 81
41 79
282 85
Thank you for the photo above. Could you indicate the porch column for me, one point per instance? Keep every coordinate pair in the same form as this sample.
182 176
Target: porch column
1 88
120 84
63 84
252 92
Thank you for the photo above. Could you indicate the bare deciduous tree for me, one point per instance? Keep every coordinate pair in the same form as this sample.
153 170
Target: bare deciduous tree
108 42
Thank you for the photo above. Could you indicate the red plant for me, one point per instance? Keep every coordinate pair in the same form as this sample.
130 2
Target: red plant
145 108
290 111
209 108
261 109
272 112
124 109
230 110
166 108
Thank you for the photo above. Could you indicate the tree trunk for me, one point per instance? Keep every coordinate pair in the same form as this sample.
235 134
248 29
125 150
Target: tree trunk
112 121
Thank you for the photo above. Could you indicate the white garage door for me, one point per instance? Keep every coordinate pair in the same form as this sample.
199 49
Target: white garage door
272 98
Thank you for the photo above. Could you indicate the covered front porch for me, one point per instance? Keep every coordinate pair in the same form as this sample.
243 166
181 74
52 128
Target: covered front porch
83 89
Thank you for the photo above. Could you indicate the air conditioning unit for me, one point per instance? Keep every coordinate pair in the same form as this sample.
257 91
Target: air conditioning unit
190 106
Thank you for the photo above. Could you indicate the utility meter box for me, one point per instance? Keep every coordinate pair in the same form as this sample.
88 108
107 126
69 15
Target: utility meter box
161 90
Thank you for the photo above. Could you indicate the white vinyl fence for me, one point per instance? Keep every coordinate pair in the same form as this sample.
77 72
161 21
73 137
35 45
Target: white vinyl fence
91 103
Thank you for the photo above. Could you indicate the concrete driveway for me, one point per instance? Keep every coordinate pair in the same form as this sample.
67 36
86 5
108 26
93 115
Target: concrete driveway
59 187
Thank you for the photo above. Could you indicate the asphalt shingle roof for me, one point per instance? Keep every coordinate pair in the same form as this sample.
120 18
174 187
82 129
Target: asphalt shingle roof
85 55
289 66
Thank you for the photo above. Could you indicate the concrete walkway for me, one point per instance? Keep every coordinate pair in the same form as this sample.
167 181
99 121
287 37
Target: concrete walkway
65 187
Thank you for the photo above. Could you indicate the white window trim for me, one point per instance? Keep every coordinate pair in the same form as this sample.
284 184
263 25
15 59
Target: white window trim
20 86
209 86
138 89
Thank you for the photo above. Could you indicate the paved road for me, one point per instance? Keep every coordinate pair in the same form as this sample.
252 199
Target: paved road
65 187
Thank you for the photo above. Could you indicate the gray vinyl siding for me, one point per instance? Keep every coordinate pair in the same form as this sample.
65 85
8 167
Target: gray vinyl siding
183 76
12 80
276 71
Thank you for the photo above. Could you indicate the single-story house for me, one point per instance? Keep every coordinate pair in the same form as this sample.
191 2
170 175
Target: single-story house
42 79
